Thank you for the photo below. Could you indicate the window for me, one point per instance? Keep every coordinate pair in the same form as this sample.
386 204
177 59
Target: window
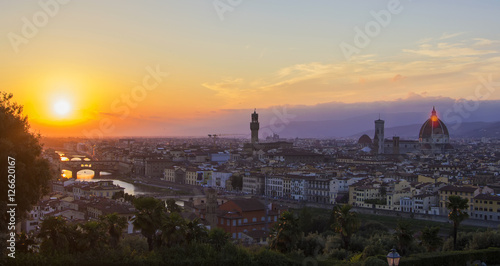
245 220
234 222
262 219
254 219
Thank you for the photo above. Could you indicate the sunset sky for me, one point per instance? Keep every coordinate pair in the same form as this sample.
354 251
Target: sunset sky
80 69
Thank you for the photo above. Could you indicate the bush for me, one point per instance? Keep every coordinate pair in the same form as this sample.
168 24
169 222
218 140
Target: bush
374 261
268 257
489 256
339 254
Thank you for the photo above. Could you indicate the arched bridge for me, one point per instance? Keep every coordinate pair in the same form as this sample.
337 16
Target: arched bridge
96 166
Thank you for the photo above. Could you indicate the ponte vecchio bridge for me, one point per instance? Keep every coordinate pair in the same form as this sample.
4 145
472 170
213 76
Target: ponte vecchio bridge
96 166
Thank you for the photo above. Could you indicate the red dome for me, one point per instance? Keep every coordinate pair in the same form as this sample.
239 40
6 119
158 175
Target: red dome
365 140
433 126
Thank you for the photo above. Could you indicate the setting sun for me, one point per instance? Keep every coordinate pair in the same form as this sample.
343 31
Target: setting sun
62 108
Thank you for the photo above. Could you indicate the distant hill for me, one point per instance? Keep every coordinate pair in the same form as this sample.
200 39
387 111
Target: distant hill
464 130
355 127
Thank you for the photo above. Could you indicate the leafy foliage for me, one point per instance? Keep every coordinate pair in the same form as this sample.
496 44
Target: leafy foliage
404 236
32 173
285 234
458 212
345 222
430 239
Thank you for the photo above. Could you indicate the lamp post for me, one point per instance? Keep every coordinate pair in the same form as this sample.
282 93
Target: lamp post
393 258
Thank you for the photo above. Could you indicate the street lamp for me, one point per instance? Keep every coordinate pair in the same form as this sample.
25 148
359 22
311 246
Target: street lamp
393 258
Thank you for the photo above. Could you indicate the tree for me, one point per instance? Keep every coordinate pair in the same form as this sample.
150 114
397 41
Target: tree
174 229
404 235
53 234
195 231
25 243
20 149
383 191
305 220
93 236
430 239
237 182
172 206
149 218
345 222
115 225
285 234
458 212
218 238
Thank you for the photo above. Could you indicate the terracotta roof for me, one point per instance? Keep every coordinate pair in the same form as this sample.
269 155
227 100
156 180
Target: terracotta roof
249 204
487 197
458 189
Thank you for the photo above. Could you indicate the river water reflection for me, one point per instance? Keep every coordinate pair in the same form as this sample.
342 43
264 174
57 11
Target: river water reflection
88 175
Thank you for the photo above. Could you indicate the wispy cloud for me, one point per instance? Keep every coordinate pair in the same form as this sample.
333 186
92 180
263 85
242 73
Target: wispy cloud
438 68
448 50
450 35
484 42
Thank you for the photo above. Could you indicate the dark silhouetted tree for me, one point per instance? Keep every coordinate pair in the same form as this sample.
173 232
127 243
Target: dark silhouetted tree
430 238
149 218
345 222
114 225
458 212
32 173
286 233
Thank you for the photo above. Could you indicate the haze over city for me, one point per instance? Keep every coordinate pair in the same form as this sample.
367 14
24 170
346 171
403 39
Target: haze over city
207 66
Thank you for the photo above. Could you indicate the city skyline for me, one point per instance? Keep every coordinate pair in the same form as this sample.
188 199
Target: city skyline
76 67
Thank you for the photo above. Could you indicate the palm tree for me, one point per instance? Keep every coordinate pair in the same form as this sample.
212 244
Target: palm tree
218 238
285 234
195 231
404 235
149 218
458 212
430 239
115 225
345 222
174 229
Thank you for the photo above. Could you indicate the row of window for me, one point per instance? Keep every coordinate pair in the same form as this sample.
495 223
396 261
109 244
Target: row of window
486 202
485 209
245 220
486 216
456 193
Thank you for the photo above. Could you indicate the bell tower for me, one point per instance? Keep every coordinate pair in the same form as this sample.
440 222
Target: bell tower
254 127
378 139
